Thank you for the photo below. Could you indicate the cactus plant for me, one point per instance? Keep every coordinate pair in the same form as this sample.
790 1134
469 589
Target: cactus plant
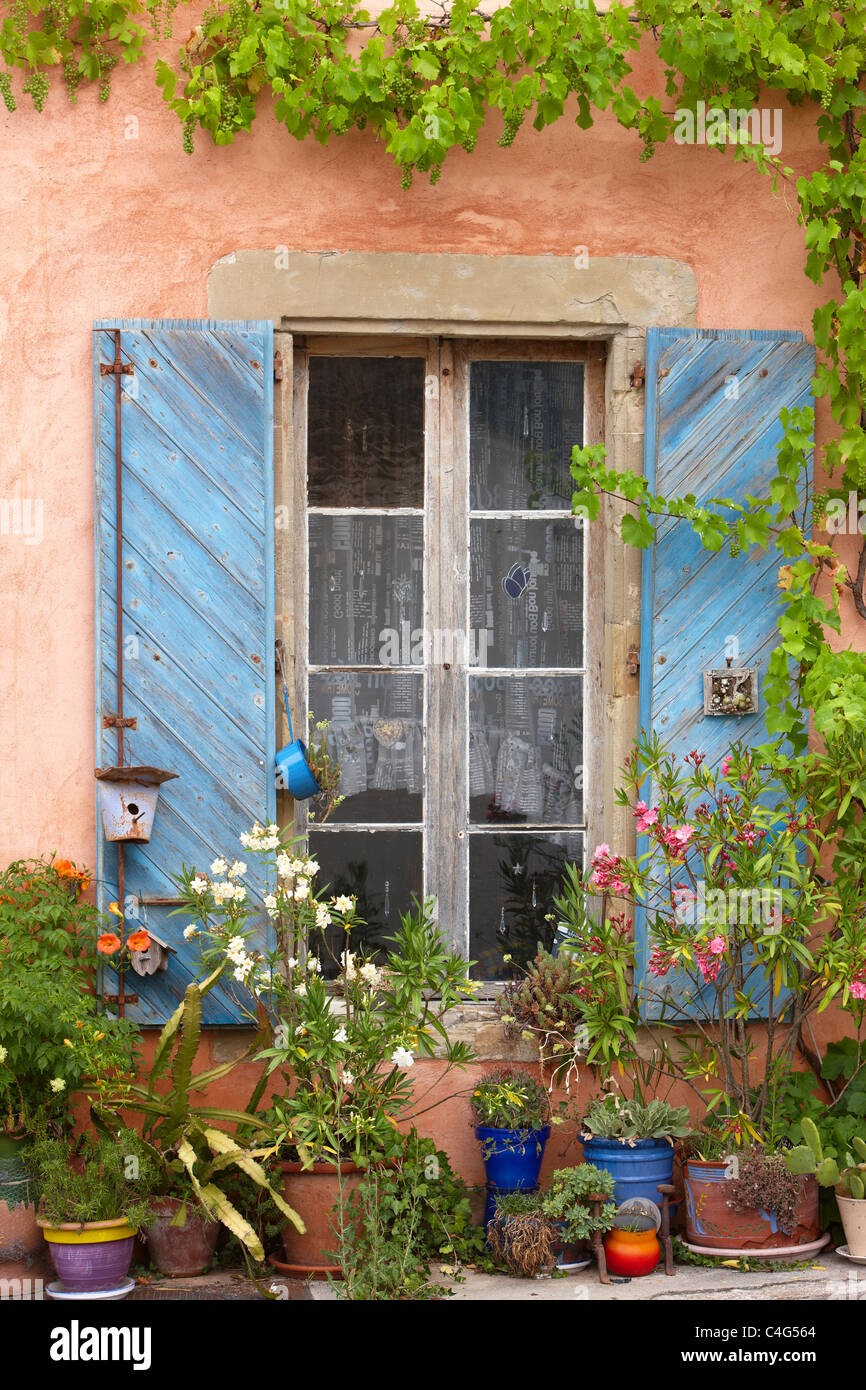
809 1158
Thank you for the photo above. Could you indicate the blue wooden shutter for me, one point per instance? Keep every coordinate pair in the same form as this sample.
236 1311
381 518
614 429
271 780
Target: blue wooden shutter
712 429
198 608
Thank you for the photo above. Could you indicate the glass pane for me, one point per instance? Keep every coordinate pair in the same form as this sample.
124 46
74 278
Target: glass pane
365 432
513 880
526 592
366 588
526 749
381 869
524 420
376 730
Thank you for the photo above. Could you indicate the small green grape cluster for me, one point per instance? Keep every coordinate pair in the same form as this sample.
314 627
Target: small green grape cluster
435 173
37 87
406 176
71 77
188 128
513 121
468 142
819 506
6 91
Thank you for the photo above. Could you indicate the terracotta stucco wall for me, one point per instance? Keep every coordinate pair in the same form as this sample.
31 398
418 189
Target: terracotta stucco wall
97 224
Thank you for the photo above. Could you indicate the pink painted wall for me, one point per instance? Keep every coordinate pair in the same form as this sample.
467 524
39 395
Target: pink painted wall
97 225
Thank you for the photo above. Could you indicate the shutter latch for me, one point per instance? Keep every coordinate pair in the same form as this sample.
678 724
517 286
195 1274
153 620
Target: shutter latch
637 375
632 661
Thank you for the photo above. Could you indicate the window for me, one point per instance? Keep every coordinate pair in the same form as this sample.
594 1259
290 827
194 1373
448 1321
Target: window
440 596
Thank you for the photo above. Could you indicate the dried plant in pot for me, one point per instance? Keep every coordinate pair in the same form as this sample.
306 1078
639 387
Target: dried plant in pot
748 1201
521 1235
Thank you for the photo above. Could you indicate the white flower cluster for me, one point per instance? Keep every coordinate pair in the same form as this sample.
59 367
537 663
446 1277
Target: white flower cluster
343 904
368 972
402 1057
244 964
227 892
262 837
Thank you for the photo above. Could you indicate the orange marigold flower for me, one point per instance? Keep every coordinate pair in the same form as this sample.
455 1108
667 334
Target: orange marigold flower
108 943
138 941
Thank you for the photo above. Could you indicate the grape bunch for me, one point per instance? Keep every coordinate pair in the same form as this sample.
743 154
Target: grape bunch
37 87
6 91
188 128
513 121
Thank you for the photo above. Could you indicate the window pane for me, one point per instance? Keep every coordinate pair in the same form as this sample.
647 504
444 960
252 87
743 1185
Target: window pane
381 869
376 731
524 420
365 440
512 882
526 749
526 592
366 588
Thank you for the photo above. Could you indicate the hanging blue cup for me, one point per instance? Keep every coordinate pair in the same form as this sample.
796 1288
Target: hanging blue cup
292 765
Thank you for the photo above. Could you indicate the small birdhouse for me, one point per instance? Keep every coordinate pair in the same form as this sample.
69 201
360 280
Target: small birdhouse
128 797
154 958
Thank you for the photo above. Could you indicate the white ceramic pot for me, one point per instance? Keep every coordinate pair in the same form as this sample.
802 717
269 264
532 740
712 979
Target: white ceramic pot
853 1213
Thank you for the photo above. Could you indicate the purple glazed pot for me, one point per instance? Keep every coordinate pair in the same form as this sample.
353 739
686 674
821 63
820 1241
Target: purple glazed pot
90 1257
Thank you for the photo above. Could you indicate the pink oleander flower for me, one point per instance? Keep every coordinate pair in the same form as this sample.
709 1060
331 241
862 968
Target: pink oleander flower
725 765
646 816
858 989
718 945
602 852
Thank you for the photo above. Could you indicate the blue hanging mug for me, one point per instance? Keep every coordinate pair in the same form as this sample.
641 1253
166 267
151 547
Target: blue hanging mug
291 761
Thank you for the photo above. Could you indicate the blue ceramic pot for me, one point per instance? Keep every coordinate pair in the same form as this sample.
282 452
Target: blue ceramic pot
636 1169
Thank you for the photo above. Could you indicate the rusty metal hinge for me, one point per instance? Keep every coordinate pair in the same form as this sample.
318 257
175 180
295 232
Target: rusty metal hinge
638 377
111 721
278 366
113 368
632 660
120 999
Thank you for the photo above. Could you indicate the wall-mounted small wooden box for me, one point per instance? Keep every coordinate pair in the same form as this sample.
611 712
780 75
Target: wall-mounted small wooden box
732 690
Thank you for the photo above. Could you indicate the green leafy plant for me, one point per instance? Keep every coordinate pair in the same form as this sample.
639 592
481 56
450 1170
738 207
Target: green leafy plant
343 1030
325 766
96 1177
54 1035
507 1098
403 1219
740 915
190 1142
570 1197
617 1117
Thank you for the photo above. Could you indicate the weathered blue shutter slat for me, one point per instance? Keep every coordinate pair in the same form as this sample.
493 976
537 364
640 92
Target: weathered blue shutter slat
198 619
713 400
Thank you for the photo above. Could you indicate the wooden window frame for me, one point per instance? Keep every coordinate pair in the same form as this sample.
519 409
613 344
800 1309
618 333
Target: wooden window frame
445 825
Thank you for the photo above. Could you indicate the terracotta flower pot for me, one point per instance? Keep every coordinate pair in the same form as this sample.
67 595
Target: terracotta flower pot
180 1251
712 1223
90 1255
853 1214
20 1236
314 1193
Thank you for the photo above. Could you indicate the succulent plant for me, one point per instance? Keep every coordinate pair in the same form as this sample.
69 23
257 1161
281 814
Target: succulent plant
809 1158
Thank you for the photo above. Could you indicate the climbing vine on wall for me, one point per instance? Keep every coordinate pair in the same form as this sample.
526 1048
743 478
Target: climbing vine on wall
426 84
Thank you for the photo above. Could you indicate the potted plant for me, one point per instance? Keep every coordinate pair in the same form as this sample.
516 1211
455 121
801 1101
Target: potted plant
849 1183
634 1140
93 1199
345 1030
512 1113
52 1033
631 1247
580 1206
747 1200
521 1235
191 1148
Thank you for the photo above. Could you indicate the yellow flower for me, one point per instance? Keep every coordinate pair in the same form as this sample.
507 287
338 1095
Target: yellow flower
113 907
67 1042
97 1037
